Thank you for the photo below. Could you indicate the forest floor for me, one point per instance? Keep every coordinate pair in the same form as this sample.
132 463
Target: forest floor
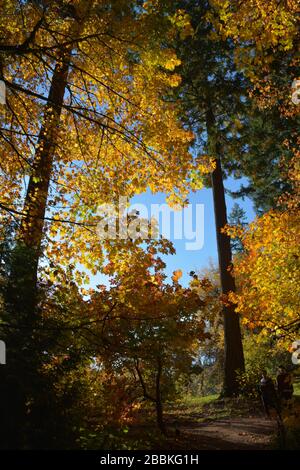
220 425
210 423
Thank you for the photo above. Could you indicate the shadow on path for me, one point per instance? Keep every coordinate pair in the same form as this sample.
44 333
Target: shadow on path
240 433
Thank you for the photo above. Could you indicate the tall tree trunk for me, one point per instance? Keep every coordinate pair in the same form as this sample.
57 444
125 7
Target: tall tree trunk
31 230
28 251
158 402
24 344
30 234
233 348
25 340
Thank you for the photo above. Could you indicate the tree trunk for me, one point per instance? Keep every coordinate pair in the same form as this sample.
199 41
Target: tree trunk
31 229
30 234
233 348
24 342
155 398
158 402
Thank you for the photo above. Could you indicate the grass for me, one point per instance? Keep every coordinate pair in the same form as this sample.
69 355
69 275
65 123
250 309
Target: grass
189 405
192 401
208 408
297 389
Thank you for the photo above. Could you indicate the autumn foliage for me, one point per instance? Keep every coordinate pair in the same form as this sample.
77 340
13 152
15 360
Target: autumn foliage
107 100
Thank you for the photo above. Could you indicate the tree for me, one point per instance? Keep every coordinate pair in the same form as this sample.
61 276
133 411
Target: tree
85 123
269 275
237 217
211 352
104 123
156 341
42 382
260 30
266 49
211 91
264 156
266 42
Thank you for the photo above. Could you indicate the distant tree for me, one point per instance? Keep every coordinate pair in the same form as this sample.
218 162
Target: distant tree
237 217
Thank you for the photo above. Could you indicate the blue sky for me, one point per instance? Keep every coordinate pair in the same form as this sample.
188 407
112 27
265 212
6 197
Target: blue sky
193 260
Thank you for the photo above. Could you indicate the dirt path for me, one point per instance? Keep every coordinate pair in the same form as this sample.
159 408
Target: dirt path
210 423
227 433
218 427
